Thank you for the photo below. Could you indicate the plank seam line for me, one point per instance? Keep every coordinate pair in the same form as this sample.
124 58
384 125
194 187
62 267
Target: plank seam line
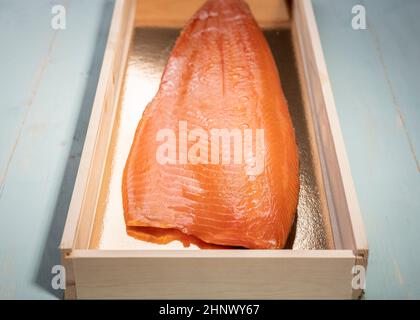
38 80
394 98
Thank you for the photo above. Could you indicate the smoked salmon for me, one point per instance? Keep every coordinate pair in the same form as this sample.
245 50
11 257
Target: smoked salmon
214 155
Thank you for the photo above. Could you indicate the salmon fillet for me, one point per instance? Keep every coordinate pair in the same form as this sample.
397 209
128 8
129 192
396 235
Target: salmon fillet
164 236
221 75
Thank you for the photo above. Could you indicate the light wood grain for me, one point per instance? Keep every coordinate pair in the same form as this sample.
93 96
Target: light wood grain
342 202
175 13
208 273
343 205
82 207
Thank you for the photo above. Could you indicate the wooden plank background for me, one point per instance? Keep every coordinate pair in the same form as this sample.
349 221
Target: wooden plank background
375 79
48 81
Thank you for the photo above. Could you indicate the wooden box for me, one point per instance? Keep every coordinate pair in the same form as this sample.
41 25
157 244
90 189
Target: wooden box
98 272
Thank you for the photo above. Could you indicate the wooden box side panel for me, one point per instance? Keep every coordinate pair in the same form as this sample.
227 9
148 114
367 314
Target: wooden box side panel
345 216
341 200
214 277
83 203
323 276
175 13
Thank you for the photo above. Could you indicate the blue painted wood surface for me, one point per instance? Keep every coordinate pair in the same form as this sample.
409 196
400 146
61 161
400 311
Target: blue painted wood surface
48 81
375 80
